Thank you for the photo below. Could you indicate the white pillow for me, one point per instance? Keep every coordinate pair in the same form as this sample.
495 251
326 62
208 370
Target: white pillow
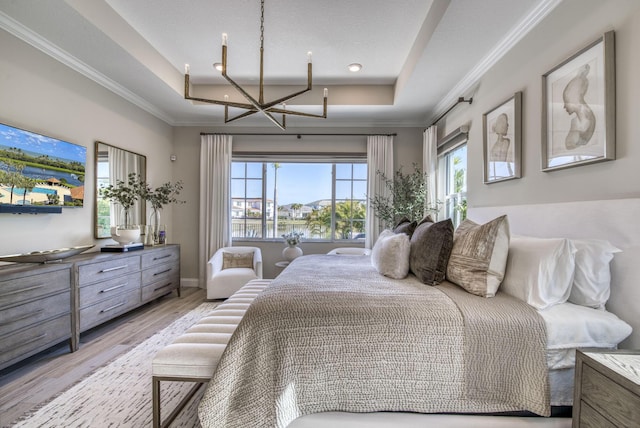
592 276
539 271
390 254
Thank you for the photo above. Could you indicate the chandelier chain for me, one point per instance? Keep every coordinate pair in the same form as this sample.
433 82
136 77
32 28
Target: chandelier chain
261 24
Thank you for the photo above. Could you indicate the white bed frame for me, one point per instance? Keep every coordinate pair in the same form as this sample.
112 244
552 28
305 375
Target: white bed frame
617 221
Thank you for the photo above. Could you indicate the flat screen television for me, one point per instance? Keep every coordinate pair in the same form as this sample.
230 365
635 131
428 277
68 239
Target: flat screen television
39 174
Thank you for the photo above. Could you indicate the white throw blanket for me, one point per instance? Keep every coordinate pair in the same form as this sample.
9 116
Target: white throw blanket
331 334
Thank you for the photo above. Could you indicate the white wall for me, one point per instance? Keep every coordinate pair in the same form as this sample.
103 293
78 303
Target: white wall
42 95
573 25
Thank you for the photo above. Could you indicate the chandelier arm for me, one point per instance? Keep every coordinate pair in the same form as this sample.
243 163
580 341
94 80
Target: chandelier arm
299 113
252 100
240 116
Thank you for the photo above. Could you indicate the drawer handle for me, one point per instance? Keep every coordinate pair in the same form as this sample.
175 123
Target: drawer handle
21 317
112 269
22 290
35 339
106 290
112 307
163 257
164 286
164 271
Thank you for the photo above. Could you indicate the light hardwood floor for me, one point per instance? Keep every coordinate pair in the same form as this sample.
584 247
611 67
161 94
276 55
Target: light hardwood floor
36 380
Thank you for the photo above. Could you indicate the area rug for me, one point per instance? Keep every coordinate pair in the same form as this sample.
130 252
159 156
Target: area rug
119 394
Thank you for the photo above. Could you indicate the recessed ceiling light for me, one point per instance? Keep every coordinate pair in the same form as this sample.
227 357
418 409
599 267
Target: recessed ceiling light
355 67
217 66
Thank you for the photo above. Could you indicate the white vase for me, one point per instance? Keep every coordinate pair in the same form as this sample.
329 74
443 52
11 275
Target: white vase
291 252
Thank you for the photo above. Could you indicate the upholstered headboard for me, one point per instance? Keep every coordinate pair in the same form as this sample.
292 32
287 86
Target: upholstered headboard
617 221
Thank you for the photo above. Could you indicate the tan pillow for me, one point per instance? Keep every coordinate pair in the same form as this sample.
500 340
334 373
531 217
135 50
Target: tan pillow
237 260
479 256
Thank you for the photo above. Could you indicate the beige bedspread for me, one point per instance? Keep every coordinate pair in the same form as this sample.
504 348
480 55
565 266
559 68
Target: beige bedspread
331 334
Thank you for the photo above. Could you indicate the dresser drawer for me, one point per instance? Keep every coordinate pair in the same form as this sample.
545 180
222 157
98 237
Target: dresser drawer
18 290
21 316
159 272
160 288
609 398
107 309
589 418
107 269
26 342
99 291
160 256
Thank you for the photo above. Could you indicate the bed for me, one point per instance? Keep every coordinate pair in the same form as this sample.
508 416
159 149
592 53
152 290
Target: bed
317 341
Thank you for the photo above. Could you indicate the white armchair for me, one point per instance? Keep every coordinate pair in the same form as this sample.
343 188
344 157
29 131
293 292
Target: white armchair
222 283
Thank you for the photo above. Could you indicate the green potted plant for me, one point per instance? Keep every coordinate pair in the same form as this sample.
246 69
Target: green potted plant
159 197
125 194
407 197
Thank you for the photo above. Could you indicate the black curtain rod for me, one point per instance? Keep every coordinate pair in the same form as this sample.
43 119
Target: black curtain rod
299 134
460 100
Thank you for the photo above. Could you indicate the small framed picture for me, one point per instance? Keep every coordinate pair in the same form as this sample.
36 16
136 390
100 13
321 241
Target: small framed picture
502 140
578 108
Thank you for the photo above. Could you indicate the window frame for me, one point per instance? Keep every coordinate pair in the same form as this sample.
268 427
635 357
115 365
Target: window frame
447 148
350 158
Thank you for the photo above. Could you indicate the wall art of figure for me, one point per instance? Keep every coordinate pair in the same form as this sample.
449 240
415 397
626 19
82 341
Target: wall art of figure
583 120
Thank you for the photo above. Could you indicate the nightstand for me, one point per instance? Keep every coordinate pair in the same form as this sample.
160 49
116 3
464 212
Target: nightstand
607 389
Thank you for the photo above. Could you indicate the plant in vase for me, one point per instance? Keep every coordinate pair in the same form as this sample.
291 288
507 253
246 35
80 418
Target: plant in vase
125 194
292 250
158 198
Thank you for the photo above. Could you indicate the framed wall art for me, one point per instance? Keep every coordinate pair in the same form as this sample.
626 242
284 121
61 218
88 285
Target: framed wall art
502 140
578 108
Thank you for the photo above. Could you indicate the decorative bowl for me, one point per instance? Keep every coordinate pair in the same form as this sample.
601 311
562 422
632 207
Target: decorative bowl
45 256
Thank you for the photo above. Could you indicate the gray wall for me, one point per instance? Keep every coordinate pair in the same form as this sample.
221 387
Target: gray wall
572 26
407 149
42 95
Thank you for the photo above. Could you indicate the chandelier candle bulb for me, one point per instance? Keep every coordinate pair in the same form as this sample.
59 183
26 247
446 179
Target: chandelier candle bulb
186 69
224 39
226 97
326 92
309 57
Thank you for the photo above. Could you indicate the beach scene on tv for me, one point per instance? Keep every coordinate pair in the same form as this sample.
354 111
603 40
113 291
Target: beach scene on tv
40 170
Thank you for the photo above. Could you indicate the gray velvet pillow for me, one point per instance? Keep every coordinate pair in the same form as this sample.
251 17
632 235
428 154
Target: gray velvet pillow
431 245
405 226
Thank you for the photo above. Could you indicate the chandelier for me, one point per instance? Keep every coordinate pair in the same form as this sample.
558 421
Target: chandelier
269 109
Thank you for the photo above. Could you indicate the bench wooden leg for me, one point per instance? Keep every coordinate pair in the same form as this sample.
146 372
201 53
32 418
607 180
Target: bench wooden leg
157 416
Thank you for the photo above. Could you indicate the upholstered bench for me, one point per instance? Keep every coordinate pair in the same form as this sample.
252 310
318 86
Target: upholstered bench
194 355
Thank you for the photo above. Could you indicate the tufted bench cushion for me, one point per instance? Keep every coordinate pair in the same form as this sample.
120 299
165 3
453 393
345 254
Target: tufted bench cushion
194 355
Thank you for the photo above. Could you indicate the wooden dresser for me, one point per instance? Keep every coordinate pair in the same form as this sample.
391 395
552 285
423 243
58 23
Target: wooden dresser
110 284
607 389
42 305
35 309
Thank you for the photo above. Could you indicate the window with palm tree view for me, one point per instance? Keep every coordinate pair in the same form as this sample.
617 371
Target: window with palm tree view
321 200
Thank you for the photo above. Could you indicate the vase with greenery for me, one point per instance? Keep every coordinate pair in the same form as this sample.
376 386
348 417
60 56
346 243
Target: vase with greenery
159 197
125 194
407 197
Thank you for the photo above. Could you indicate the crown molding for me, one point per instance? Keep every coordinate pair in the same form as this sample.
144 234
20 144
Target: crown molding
521 29
37 41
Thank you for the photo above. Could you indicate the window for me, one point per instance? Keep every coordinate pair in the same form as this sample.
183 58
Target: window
452 179
324 200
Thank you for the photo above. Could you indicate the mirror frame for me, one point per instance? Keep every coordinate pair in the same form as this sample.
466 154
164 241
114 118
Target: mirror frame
143 206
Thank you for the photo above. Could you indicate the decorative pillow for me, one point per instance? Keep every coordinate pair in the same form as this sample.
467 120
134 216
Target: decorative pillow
237 260
539 271
431 245
390 254
405 226
479 256
593 275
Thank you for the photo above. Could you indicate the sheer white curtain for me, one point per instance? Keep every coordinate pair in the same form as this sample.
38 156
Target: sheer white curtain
379 158
121 163
430 164
215 198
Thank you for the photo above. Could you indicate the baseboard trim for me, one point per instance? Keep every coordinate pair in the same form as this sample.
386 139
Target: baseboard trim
189 282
